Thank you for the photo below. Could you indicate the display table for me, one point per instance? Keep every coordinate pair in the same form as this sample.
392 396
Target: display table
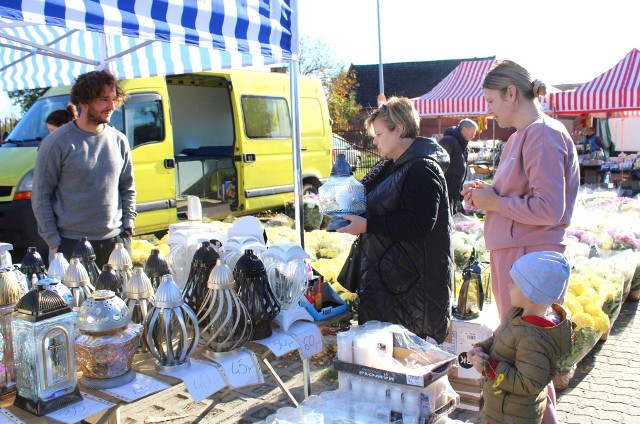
205 377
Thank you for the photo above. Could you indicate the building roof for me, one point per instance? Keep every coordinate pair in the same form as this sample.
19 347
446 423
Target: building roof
408 79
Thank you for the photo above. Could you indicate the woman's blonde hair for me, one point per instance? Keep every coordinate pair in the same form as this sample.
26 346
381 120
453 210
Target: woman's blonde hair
506 73
396 111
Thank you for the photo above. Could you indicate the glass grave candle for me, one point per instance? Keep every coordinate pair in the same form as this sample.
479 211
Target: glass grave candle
9 296
58 266
139 298
109 280
33 267
155 267
287 272
77 279
201 265
58 288
122 264
7 264
341 195
87 256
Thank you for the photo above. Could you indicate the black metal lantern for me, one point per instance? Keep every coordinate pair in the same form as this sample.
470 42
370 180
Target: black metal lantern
84 251
109 280
155 267
33 267
201 266
225 324
471 298
255 293
172 327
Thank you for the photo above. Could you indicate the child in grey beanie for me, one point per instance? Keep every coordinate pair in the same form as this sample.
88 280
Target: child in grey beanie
520 359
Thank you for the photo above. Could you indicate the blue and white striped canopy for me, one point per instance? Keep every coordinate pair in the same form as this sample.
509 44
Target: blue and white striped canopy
46 43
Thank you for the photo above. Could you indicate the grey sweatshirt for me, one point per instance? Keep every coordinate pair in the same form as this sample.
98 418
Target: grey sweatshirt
83 185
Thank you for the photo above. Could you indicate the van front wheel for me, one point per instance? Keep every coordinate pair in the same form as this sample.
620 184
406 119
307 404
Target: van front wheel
309 188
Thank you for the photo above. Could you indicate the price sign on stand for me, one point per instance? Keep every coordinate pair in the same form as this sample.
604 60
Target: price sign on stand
202 379
142 386
241 368
80 410
308 336
279 343
7 417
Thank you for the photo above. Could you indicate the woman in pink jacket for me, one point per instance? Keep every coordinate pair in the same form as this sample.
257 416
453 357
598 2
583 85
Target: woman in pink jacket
530 203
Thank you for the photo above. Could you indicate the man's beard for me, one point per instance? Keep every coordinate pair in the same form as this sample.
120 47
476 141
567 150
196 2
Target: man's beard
96 117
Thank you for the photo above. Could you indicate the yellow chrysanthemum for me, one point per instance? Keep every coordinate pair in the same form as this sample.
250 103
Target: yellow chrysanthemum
583 320
584 300
601 322
592 309
327 252
573 306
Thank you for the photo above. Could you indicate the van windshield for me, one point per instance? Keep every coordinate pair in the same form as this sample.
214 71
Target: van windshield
32 128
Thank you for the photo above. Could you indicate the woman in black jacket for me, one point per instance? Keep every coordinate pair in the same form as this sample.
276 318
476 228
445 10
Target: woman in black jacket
406 253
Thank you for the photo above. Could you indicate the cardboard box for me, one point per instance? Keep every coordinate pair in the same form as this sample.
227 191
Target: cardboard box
427 375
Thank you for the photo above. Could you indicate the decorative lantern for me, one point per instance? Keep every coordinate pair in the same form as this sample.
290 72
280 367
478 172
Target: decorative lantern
9 296
255 293
58 288
33 267
224 321
107 341
78 281
44 350
341 195
139 299
235 247
172 329
183 242
7 264
471 298
84 251
201 265
58 266
287 272
155 267
122 264
109 280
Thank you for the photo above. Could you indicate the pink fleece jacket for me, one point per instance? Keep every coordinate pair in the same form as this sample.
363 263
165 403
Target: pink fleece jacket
537 181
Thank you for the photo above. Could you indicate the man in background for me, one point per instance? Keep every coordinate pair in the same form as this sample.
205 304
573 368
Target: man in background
83 182
455 142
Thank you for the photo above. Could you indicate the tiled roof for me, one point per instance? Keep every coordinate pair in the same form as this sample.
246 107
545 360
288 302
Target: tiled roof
409 79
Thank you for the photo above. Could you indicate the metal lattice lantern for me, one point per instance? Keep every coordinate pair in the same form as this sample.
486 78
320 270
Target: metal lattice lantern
76 278
201 265
122 264
287 272
225 323
341 195
58 288
44 349
9 296
33 267
155 267
107 341
109 280
58 266
172 327
255 293
139 298
87 256
235 247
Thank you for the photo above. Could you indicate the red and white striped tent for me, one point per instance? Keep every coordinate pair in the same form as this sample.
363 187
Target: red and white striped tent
617 90
459 93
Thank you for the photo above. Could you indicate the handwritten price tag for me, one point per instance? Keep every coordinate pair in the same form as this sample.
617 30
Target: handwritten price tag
279 343
240 369
79 411
142 386
7 417
202 379
308 336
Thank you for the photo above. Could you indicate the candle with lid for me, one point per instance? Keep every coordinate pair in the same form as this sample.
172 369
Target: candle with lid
77 279
9 296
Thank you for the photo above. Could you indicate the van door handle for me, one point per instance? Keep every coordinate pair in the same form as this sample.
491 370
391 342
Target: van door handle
170 163
303 148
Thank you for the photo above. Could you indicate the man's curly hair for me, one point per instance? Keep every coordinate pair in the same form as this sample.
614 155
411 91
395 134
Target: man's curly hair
89 87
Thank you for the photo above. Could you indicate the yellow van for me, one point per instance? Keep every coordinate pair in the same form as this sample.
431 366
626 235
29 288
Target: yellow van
224 136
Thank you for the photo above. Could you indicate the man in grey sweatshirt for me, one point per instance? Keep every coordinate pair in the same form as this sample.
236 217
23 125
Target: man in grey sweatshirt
83 182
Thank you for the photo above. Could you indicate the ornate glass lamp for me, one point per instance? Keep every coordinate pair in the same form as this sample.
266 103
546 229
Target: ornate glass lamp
84 251
58 288
58 266
9 296
172 327
122 264
44 350
109 280
201 265
225 324
139 298
155 267
287 272
78 281
33 267
107 341
341 195
255 293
